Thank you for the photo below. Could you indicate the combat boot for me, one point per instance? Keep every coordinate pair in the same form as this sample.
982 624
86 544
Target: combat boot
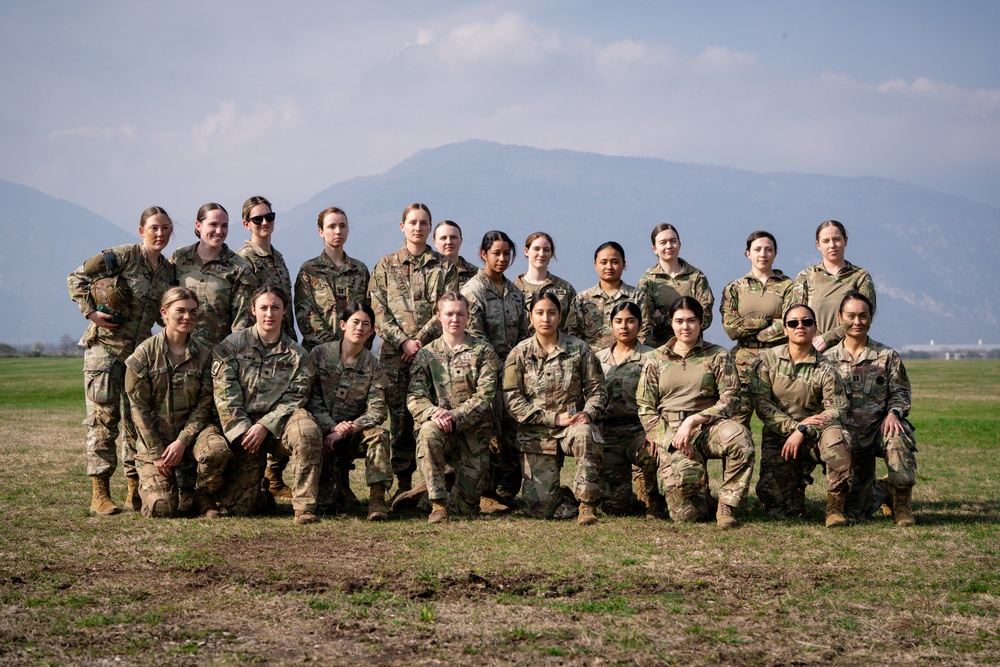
100 499
377 511
901 496
133 500
409 499
883 484
276 485
655 506
725 517
344 484
588 514
835 501
439 511
207 505
303 517
489 504
185 502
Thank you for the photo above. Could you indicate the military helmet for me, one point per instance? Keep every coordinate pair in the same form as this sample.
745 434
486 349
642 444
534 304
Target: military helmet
111 297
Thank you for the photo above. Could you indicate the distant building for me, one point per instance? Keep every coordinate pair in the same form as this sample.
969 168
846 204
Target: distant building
978 350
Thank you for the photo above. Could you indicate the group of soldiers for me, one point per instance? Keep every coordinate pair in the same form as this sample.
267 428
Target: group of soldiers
483 383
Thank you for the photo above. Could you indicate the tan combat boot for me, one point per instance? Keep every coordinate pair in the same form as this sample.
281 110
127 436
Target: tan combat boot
208 507
100 499
724 516
588 514
656 506
133 500
439 511
303 517
276 485
377 511
835 501
883 484
901 496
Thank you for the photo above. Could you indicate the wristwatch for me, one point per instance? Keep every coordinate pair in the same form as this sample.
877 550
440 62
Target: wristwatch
802 429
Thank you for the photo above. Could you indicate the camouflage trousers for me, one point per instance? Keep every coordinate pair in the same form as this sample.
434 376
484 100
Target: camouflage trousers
372 445
540 472
233 475
744 358
624 447
684 480
109 414
782 483
402 444
467 452
159 492
898 453
504 473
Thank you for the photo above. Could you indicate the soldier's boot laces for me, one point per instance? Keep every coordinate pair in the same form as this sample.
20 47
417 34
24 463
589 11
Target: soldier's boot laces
303 517
588 514
725 517
100 500
276 485
133 500
208 507
439 511
377 511
901 503
835 501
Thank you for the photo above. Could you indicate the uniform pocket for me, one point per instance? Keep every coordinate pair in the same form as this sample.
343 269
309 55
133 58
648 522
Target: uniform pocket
102 380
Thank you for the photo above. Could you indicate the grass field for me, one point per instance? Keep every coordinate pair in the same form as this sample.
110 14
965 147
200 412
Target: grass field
76 589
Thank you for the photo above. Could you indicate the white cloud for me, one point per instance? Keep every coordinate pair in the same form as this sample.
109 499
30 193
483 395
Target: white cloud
720 58
510 39
980 101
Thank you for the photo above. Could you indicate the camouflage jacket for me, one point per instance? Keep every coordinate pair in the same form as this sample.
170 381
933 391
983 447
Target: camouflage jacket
322 291
404 291
752 311
703 382
466 271
271 268
141 285
496 314
258 384
463 381
876 382
563 291
591 314
621 382
538 386
169 401
784 392
822 291
224 286
660 290
355 393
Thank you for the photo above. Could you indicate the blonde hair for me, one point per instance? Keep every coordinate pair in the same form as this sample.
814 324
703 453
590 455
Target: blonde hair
175 294
416 206
451 296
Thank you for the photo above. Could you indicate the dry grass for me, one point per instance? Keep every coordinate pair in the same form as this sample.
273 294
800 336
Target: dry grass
81 590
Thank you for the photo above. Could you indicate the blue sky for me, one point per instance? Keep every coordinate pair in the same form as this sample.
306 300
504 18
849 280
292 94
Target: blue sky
117 105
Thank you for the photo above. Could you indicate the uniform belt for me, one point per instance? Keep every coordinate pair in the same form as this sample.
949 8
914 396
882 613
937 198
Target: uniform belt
621 421
752 344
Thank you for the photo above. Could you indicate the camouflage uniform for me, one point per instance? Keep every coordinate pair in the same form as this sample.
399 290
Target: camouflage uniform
591 314
784 393
271 268
556 285
659 290
404 291
223 285
876 383
703 382
170 401
822 291
257 383
466 271
322 291
624 437
751 315
357 394
498 316
104 360
538 386
463 381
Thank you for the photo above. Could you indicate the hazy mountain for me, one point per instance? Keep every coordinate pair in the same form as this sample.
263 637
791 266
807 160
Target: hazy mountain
933 255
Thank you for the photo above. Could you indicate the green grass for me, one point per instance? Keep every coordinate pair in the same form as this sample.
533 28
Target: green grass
83 590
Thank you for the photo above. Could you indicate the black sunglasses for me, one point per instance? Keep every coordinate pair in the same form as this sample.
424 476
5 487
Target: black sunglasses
258 219
794 324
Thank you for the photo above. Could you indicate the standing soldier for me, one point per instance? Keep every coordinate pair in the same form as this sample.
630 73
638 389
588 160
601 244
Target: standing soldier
168 380
879 391
119 291
452 388
540 250
348 403
261 381
448 241
554 388
268 267
592 308
404 288
327 284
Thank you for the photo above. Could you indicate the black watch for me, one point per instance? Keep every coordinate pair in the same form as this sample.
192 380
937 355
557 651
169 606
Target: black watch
802 429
